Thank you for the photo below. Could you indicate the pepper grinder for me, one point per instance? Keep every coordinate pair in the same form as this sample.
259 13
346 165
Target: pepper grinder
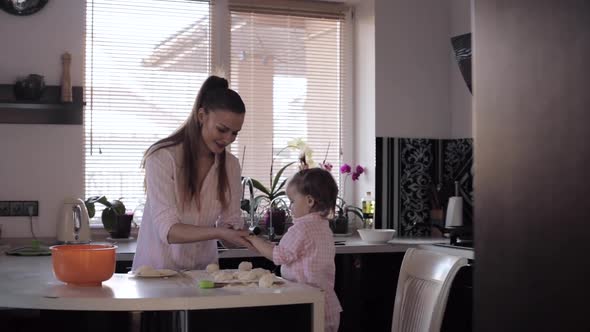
66 81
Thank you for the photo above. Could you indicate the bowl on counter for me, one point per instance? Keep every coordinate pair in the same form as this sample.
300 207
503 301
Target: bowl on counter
376 235
83 264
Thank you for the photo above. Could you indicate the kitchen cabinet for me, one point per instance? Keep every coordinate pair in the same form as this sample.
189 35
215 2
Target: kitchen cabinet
124 266
459 310
366 286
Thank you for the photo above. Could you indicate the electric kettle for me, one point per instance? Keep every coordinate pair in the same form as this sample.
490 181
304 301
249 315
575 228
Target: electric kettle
74 223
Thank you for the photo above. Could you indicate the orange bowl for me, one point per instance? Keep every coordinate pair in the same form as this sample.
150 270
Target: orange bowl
83 264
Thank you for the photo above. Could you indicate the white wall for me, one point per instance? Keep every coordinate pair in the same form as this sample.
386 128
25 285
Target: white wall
460 97
419 90
412 68
41 162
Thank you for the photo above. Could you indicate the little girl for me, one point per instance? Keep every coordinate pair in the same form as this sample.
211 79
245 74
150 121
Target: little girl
306 252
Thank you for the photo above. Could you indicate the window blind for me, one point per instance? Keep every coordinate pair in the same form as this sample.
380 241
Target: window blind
288 64
145 61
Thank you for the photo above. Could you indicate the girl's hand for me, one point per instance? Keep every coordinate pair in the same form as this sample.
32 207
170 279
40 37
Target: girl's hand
235 237
264 247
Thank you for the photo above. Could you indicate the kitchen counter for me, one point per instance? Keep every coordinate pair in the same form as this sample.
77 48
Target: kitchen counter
345 245
29 283
448 249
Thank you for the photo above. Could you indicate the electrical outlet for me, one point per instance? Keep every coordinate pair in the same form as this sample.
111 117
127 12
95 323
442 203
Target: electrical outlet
16 209
34 205
4 209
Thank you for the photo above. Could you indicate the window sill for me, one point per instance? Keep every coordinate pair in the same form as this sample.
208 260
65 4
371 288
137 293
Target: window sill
98 233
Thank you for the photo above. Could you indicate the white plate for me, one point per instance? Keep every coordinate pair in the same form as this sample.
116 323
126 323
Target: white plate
162 273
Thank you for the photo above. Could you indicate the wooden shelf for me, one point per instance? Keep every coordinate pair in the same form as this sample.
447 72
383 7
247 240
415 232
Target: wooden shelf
48 110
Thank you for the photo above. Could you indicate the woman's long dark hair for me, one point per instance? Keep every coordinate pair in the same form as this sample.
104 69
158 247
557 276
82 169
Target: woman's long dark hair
214 95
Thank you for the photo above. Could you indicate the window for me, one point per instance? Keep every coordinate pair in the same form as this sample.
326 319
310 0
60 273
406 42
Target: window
146 59
288 66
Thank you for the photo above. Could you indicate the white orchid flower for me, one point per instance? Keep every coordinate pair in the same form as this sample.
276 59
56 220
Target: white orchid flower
297 143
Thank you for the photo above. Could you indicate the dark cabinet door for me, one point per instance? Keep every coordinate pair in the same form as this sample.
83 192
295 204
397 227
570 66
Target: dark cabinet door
123 266
459 311
365 285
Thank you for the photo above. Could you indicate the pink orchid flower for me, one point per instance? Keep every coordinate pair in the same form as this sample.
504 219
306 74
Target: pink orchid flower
345 169
327 166
359 169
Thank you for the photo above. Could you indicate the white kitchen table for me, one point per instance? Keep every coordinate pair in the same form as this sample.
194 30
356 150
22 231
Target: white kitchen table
29 283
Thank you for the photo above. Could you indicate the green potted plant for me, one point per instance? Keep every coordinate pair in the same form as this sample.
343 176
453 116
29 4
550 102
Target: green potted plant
339 224
113 217
273 195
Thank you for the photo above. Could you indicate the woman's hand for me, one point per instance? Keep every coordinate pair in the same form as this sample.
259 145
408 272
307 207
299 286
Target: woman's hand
235 237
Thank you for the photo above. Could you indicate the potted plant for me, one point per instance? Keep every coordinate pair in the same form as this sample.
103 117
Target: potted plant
274 196
113 217
339 224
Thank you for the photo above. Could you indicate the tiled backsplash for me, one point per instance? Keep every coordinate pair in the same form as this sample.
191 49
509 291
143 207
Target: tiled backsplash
408 173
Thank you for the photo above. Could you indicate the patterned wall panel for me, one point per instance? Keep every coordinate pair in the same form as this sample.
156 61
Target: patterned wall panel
417 169
409 172
458 166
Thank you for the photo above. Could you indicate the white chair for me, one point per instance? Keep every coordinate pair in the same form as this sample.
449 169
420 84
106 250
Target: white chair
422 290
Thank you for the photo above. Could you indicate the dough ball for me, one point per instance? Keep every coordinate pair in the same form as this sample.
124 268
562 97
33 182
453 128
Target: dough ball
245 266
266 281
223 276
260 272
212 268
247 276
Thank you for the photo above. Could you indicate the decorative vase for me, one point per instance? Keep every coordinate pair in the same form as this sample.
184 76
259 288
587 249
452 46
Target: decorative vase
279 217
30 88
122 227
339 225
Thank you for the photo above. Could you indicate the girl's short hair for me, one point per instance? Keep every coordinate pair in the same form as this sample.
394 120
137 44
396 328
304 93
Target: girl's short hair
320 185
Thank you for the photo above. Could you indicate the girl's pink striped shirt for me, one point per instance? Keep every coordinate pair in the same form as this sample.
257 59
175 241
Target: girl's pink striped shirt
306 254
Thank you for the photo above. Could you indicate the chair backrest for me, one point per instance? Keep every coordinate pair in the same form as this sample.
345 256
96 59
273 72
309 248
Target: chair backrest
423 287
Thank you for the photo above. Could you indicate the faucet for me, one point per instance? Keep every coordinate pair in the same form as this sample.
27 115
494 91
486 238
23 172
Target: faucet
248 181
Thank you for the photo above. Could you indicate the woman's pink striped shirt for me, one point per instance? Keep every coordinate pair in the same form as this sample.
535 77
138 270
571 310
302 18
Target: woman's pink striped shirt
163 209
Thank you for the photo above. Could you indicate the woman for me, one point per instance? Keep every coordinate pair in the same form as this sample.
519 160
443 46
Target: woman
193 186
